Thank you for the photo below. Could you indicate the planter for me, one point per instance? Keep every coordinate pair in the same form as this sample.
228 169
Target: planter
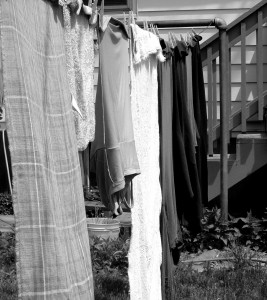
103 227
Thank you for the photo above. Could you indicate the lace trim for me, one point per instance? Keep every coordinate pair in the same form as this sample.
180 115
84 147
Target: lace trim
145 43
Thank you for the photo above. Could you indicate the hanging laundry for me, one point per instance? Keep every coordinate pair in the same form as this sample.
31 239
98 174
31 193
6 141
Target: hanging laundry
200 113
53 258
145 246
171 234
79 44
113 156
187 184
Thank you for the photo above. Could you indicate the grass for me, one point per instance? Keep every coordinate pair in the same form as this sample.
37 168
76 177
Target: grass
241 284
243 281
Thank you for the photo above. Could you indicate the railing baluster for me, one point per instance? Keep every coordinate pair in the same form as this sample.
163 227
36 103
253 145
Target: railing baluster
210 115
214 92
228 102
243 79
229 96
260 65
223 120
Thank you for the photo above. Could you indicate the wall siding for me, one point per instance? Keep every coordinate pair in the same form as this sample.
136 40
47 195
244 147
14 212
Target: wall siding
229 10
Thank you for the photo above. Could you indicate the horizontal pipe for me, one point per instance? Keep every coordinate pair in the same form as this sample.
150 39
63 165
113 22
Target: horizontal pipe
216 22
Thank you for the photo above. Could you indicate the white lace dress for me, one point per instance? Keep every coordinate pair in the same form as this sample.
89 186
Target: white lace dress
79 44
145 253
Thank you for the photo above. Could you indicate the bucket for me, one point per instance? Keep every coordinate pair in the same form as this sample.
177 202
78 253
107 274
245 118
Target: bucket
103 227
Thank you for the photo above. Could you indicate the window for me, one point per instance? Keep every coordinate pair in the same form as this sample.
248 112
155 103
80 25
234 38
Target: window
119 6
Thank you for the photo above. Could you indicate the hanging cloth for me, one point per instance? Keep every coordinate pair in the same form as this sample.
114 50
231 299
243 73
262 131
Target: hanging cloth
187 185
52 245
171 235
79 44
145 246
113 156
200 113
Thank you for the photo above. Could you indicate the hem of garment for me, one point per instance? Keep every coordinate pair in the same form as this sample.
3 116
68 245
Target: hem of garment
118 186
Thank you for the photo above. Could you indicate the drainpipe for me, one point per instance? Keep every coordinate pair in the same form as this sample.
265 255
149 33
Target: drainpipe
224 75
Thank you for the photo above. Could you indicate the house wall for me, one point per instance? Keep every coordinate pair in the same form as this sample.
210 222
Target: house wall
229 10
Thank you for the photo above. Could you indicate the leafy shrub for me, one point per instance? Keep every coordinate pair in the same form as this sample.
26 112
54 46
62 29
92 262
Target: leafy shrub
110 267
109 255
7 249
247 231
6 207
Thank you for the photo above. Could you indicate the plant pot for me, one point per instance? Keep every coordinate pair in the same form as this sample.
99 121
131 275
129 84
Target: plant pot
103 227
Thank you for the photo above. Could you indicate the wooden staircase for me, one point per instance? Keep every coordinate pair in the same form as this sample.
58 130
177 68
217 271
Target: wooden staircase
245 118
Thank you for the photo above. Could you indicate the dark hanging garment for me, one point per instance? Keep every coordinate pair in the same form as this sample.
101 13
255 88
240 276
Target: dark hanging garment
200 113
187 185
171 235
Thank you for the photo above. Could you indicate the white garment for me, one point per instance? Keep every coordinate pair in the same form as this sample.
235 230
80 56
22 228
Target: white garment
79 44
145 254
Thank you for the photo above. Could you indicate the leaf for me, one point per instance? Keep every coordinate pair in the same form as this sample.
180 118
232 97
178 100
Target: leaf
210 226
225 241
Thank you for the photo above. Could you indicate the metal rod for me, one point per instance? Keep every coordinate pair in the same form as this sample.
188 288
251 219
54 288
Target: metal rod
224 70
216 22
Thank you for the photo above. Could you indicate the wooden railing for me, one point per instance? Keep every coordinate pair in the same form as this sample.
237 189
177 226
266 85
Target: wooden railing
219 47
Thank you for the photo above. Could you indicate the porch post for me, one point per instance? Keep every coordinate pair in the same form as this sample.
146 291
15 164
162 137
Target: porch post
224 75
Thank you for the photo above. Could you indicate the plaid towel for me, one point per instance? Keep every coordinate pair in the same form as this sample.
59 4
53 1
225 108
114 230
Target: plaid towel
52 245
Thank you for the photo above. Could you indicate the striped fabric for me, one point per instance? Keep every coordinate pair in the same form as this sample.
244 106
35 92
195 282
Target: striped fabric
53 254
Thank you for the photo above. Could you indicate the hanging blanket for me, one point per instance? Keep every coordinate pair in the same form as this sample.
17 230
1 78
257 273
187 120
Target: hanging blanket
52 246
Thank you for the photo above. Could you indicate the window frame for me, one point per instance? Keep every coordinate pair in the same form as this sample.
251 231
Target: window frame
130 6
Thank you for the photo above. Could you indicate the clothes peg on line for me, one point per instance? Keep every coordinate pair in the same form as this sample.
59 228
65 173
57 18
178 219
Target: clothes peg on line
124 19
194 31
94 16
157 31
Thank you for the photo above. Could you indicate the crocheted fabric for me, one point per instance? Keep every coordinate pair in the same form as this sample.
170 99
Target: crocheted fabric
145 44
145 253
79 45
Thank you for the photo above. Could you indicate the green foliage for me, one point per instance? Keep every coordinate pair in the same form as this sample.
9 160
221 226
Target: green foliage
247 231
241 283
110 256
110 267
6 207
7 249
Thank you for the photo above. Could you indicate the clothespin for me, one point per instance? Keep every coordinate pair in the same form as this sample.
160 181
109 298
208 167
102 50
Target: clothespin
87 9
146 26
194 31
174 38
124 19
157 31
183 40
170 40
93 19
101 15
133 18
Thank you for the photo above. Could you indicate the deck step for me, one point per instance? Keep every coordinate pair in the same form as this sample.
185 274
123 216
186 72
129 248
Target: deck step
251 154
